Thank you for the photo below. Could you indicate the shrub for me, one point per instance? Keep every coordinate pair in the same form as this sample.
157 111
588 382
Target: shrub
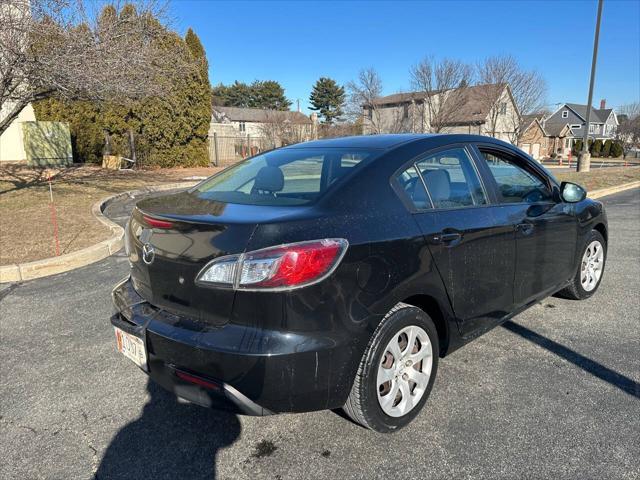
577 147
606 148
596 148
616 149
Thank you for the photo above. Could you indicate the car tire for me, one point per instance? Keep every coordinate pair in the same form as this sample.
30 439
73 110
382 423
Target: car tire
576 290
365 402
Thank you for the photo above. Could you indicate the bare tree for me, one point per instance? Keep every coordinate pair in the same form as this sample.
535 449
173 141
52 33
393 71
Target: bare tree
61 48
628 132
363 94
280 129
528 89
442 86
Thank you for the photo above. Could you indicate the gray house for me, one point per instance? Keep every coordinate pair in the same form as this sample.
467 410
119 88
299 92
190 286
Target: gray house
602 124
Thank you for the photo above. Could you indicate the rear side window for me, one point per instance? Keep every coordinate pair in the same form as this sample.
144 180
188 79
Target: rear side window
282 177
451 180
515 183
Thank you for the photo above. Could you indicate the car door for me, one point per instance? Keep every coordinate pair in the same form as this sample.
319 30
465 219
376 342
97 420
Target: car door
545 227
474 256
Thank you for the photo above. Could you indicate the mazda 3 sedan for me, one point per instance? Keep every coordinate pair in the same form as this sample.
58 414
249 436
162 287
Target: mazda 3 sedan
336 273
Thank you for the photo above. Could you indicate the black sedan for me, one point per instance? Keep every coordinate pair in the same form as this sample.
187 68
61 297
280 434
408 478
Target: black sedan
336 273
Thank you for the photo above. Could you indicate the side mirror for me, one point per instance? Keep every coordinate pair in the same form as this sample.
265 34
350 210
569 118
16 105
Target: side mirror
572 193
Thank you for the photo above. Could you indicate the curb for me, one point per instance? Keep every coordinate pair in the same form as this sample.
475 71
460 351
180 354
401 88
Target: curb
603 192
80 258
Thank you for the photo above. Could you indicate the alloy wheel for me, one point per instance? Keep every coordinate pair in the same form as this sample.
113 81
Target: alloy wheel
404 371
592 265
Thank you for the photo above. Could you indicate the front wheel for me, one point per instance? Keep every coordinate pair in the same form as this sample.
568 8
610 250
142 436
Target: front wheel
590 271
397 371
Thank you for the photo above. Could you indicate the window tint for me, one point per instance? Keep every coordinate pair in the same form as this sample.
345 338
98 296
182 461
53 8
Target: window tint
282 177
451 179
515 183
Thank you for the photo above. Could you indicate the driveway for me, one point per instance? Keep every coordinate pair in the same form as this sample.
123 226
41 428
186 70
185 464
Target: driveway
554 393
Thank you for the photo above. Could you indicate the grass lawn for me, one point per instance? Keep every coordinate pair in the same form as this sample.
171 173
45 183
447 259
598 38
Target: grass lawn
26 231
600 178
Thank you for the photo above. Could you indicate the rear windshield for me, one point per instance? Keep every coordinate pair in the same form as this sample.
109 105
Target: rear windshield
282 177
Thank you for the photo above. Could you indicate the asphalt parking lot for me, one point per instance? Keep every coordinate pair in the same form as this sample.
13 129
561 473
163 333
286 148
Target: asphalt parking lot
555 393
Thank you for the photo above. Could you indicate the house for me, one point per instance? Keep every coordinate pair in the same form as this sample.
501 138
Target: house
34 143
481 109
533 138
603 124
279 127
12 139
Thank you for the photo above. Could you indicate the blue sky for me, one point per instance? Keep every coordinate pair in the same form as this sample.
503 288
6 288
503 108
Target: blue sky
297 42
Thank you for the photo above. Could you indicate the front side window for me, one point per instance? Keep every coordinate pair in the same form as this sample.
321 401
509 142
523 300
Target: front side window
565 114
450 178
243 126
515 183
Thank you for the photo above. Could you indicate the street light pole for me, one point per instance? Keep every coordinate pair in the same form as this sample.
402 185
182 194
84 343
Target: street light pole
584 161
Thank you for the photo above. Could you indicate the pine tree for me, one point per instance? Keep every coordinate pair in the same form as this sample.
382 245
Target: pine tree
606 148
269 94
328 98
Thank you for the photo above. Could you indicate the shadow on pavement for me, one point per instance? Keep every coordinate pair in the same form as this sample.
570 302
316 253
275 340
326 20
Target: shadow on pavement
169 440
596 369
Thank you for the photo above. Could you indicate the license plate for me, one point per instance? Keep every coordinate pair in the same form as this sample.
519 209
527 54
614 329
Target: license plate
131 347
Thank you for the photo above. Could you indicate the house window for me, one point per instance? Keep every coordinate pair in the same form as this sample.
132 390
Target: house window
503 108
405 111
592 128
575 127
565 114
243 127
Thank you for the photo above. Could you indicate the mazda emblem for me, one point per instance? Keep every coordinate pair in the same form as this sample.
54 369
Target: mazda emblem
148 253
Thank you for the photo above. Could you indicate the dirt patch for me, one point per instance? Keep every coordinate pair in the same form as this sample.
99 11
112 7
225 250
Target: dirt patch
26 227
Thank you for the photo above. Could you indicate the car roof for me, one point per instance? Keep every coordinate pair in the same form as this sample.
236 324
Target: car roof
363 141
389 141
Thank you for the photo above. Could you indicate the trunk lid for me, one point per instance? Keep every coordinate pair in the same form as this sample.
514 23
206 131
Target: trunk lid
170 239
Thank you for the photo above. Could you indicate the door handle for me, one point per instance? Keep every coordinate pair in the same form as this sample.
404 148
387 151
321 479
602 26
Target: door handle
525 228
447 237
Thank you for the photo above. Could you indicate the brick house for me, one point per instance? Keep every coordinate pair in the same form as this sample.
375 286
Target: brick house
533 139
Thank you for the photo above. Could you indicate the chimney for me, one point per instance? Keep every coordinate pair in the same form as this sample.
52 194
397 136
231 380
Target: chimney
603 104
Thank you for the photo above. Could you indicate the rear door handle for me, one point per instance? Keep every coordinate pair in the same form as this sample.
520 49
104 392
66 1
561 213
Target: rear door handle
447 237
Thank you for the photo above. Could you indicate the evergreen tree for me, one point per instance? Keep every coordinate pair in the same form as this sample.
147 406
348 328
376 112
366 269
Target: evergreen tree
169 131
606 148
596 148
328 98
269 94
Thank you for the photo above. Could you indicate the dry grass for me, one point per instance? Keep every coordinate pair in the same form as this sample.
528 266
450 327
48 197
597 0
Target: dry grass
26 231
601 178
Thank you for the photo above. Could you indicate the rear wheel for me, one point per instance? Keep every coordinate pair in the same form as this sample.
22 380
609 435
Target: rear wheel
589 274
397 371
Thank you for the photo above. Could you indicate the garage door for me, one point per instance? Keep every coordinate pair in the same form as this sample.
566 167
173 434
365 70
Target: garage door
535 151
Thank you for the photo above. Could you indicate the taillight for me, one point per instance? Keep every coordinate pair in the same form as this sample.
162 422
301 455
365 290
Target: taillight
157 223
284 267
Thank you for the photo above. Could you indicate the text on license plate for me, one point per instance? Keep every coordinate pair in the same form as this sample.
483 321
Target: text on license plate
131 347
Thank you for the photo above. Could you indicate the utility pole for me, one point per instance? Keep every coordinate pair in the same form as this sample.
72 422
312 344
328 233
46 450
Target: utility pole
584 161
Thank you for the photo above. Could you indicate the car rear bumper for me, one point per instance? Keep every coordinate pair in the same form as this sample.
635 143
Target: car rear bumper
246 369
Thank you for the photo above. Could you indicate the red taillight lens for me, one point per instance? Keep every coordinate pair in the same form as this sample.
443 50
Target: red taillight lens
287 266
156 223
187 377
